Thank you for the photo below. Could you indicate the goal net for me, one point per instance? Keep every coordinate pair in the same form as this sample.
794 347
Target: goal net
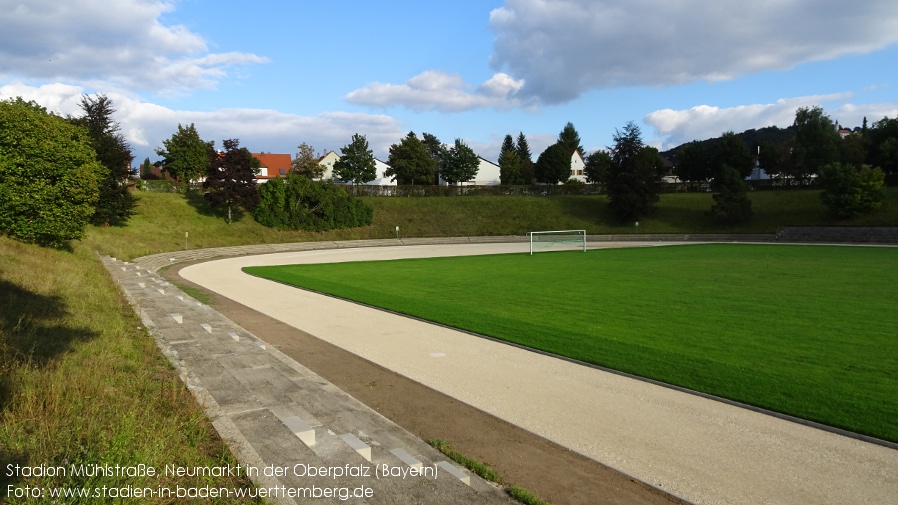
557 240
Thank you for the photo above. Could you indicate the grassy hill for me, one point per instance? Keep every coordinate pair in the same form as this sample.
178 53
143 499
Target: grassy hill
81 381
163 218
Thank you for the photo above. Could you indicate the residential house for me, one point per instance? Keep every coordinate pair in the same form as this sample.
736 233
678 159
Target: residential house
381 179
487 175
327 161
578 167
273 165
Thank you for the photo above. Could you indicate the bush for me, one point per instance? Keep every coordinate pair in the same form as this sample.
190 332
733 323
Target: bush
850 191
298 203
48 175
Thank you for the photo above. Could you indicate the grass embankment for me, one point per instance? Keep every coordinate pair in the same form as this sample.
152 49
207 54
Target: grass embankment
163 218
82 383
804 330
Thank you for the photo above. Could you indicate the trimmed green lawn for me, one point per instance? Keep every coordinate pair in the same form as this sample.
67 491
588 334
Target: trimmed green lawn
810 331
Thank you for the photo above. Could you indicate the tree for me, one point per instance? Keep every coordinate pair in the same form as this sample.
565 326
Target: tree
731 203
436 150
146 169
694 163
553 165
186 156
356 162
850 191
410 162
634 181
306 162
231 179
509 168
598 165
570 139
853 149
882 147
731 151
49 175
459 163
524 149
116 204
528 175
508 145
815 144
774 158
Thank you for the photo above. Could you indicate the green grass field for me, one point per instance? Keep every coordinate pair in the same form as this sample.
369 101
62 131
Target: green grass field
809 331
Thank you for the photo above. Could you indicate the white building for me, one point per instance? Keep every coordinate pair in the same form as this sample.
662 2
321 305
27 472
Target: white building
381 179
578 167
327 161
487 175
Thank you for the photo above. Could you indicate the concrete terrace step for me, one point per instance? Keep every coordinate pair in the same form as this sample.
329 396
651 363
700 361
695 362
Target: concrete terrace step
839 234
275 413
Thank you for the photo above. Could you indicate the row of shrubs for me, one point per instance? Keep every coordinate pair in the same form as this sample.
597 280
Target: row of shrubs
297 203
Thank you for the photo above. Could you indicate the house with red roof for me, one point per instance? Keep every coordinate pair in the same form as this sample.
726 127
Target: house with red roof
273 165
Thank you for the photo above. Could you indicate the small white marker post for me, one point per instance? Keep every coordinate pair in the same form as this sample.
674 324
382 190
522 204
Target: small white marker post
185 240
397 233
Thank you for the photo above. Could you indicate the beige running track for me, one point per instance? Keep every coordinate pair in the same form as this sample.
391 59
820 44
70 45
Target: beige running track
699 449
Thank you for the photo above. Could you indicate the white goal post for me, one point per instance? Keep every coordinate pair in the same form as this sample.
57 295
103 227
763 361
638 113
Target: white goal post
549 239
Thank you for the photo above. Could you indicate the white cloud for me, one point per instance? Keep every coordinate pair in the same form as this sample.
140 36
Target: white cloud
145 125
675 127
562 48
435 90
120 44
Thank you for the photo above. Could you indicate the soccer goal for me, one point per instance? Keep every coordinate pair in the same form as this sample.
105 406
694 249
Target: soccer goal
557 240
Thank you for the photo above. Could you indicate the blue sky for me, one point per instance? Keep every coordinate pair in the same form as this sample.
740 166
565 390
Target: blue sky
275 74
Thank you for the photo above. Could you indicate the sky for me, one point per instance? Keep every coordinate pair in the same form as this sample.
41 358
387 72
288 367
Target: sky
275 74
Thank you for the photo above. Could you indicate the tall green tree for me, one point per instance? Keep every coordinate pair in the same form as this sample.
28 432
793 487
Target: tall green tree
186 156
437 150
570 139
853 149
731 151
116 203
306 162
815 144
231 179
356 162
634 181
553 165
49 175
508 145
882 147
528 172
694 162
597 167
410 162
509 167
459 163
